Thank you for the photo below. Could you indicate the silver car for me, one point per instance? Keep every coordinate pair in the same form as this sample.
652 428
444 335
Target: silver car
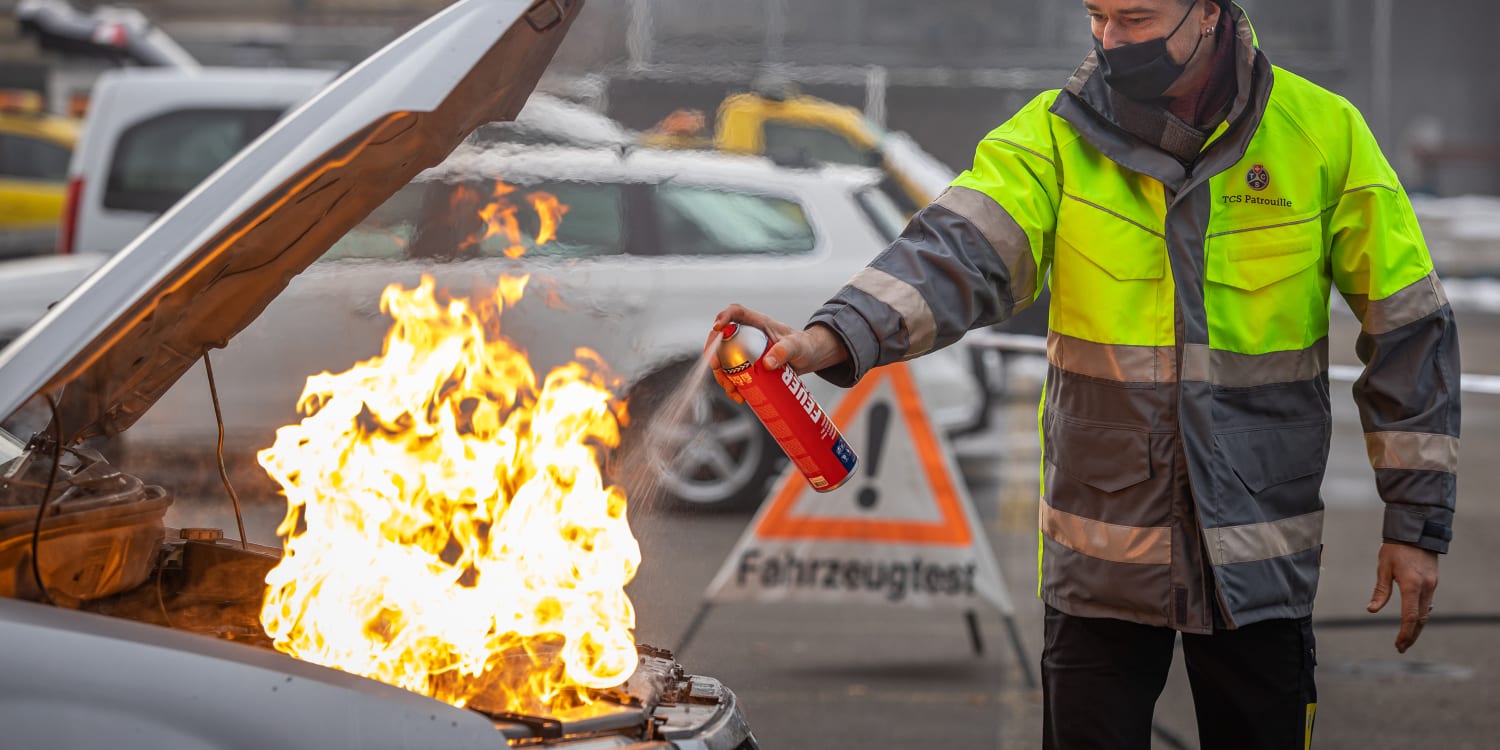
651 245
155 642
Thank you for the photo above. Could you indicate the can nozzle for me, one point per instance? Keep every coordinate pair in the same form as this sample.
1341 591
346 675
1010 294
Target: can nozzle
729 330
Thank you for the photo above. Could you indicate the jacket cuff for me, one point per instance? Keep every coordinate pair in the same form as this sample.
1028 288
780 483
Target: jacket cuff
1425 527
858 339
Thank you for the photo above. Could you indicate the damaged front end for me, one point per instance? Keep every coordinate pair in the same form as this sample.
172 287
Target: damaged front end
103 550
154 636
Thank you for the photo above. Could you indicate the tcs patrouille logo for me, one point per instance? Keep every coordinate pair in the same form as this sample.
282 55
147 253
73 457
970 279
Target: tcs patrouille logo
1258 178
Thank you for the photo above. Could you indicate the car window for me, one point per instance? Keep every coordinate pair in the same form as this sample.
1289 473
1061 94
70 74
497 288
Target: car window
386 233
705 221
32 158
787 140
444 220
887 217
157 161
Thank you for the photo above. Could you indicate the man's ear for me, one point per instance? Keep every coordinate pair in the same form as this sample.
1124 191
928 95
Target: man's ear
1211 10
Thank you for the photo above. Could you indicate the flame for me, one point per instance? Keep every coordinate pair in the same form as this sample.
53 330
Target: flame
550 210
448 530
499 216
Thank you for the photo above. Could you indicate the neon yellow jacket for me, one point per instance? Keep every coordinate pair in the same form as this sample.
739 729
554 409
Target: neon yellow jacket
1186 417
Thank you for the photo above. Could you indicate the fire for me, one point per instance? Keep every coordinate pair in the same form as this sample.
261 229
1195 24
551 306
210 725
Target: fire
499 216
448 530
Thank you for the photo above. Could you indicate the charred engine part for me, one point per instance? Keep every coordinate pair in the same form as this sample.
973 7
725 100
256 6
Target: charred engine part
660 706
203 584
99 536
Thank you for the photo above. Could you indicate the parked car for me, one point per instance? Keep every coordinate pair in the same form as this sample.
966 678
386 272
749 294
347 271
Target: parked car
30 286
34 152
123 665
137 119
779 121
652 244
118 34
152 134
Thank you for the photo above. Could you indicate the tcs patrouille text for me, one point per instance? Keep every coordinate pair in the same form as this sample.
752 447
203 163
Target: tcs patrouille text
895 579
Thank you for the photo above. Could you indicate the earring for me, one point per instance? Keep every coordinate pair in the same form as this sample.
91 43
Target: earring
1208 31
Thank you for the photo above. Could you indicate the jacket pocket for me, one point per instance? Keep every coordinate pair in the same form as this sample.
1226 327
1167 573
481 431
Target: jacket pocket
1280 469
1108 275
1256 259
1268 288
1121 247
1262 458
1109 459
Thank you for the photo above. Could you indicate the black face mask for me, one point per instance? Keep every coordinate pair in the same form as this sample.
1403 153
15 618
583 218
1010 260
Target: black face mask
1145 70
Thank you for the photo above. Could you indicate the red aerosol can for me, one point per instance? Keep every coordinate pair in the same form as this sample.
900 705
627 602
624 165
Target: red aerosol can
784 405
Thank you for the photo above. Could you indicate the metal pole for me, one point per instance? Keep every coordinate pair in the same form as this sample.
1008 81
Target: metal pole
775 41
976 639
1012 342
1381 40
639 38
875 87
1021 658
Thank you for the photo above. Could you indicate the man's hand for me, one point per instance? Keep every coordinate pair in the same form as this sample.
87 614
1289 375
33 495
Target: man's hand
1415 571
805 351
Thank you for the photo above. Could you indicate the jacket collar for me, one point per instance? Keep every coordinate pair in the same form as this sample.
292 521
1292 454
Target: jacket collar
1091 106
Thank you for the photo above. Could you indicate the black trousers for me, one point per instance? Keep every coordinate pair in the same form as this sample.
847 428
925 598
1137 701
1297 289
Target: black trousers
1252 687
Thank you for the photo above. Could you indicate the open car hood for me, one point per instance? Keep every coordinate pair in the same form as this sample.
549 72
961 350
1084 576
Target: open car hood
211 265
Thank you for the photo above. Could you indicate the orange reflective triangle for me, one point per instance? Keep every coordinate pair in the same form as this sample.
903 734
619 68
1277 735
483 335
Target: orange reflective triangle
951 527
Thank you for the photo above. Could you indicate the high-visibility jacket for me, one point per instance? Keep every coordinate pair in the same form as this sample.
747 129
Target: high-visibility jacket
1185 420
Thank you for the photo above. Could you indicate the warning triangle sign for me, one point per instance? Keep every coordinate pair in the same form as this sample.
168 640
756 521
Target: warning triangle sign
903 505
902 530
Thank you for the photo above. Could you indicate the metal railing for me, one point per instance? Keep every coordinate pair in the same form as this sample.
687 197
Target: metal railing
1011 342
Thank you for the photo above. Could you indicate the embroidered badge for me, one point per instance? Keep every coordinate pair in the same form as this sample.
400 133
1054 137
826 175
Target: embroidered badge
1258 178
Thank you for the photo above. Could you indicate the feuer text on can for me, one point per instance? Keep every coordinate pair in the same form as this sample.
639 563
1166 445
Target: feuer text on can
786 407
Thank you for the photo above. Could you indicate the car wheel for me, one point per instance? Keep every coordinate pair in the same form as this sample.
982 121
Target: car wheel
690 447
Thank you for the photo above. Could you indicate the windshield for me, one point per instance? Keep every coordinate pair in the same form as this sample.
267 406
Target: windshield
817 144
888 218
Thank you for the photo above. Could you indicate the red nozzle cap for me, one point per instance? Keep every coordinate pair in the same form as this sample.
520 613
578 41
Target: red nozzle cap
729 330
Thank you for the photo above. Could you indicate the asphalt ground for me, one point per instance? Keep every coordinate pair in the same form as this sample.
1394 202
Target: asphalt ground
823 676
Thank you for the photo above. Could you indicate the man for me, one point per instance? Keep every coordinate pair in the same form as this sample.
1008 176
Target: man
1191 206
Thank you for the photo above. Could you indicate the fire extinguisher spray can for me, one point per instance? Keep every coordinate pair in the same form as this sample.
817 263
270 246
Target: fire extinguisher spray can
784 405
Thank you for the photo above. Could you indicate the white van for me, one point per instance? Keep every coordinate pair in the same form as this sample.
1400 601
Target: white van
153 134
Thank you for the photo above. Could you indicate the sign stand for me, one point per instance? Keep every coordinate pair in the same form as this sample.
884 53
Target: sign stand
902 532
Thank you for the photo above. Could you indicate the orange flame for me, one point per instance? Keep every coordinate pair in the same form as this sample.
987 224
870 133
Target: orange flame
448 530
550 210
500 220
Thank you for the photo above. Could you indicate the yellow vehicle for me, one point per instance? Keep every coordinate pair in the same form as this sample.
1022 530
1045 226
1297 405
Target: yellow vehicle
805 130
34 151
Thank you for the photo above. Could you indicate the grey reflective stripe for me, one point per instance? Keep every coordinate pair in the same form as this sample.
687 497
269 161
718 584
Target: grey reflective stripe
1234 370
1118 362
1084 72
1003 233
1139 545
1415 302
1261 541
1422 451
921 327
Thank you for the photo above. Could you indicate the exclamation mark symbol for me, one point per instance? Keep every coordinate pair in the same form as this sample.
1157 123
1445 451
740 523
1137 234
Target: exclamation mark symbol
880 420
